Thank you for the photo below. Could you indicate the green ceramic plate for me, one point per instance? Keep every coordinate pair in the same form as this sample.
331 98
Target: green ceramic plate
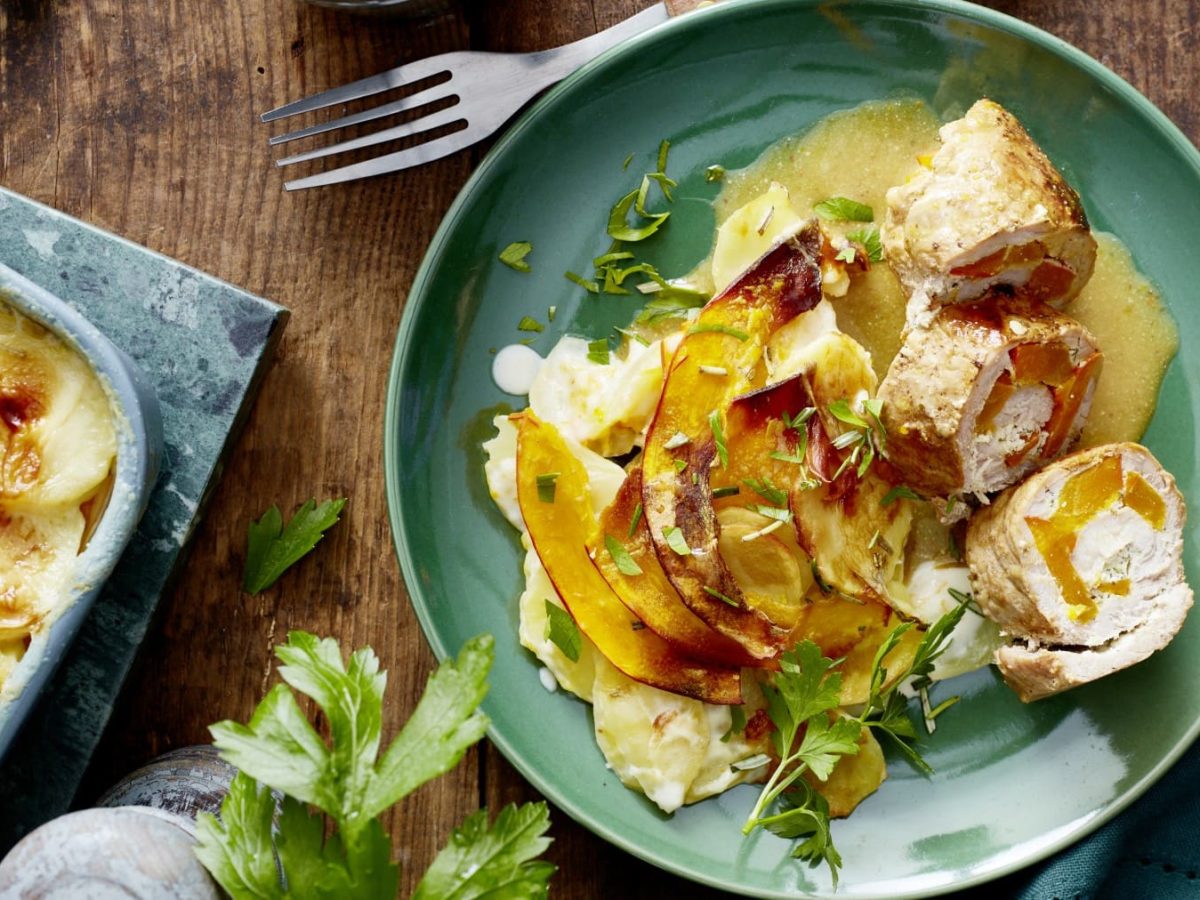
1013 782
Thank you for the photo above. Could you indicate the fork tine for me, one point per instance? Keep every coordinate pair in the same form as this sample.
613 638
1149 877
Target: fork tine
446 116
392 162
364 87
429 95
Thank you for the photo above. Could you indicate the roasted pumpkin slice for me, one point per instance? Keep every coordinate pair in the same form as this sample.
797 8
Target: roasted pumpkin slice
720 357
552 490
623 552
841 521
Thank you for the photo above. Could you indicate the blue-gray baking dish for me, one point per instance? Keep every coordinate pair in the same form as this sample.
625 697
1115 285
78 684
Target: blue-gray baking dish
139 451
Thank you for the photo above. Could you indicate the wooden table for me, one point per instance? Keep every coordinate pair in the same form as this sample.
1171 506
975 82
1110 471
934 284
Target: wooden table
141 118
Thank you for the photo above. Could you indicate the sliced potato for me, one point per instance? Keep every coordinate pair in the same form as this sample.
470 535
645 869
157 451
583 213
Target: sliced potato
37 563
57 435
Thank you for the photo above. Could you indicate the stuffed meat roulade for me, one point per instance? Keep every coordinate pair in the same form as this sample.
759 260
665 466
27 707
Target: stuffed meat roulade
988 209
1082 566
988 392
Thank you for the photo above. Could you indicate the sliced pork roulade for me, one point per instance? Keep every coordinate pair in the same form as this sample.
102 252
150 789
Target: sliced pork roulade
989 209
988 392
1082 565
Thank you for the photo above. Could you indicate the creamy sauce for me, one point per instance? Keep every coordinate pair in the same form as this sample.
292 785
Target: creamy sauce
514 369
862 152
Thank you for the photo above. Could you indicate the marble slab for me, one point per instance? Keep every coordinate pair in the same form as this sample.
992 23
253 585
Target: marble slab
204 345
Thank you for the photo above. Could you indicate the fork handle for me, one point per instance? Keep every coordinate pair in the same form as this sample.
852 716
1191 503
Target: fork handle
679 7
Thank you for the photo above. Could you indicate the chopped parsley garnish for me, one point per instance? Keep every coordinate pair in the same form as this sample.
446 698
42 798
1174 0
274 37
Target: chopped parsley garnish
680 465
870 241
778 513
618 227
797 422
675 540
637 517
737 723
562 631
598 351
864 439
706 327
846 255
626 564
529 323
713 592
590 286
843 209
757 761
730 490
714 422
767 489
272 547
899 492
546 483
514 255
811 735
714 173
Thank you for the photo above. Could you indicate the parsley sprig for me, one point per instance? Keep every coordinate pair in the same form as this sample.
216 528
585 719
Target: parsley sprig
349 783
812 736
272 547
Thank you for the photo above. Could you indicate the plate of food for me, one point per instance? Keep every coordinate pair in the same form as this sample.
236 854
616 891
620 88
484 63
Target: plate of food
796 390
81 450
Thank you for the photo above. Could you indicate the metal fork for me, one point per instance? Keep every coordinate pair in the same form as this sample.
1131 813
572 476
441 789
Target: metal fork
487 88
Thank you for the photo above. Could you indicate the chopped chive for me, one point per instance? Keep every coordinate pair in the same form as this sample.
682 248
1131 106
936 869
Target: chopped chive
719 329
546 483
763 532
778 513
750 762
514 255
899 492
620 230
628 160
795 423
737 723
637 517
676 541
680 465
626 564
598 351
714 422
714 370
633 335
663 149
730 490
840 409
551 312
714 173
529 323
590 286
713 592
766 489
615 256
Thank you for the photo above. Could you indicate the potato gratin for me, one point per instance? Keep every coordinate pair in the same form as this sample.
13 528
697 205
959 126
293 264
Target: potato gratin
57 447
819 450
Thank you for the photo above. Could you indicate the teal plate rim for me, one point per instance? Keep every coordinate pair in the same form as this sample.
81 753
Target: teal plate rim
703 18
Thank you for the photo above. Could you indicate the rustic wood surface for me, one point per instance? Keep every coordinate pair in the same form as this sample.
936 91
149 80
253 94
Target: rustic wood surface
140 117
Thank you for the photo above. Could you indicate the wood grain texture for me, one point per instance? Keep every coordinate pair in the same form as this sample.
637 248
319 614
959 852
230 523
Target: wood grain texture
141 118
